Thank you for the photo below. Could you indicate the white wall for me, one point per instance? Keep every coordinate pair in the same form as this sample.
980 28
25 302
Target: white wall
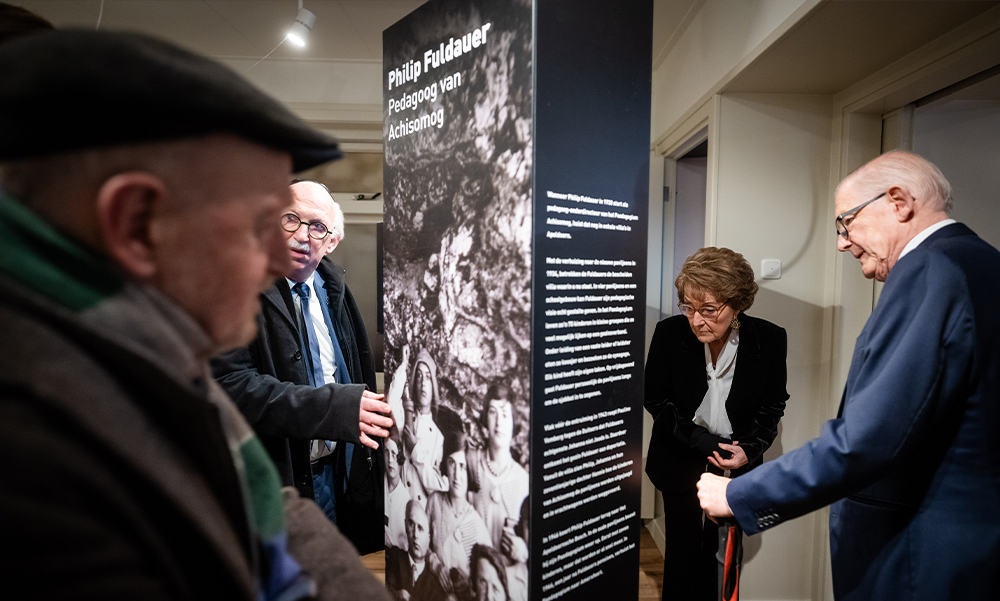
342 98
772 195
720 36
689 215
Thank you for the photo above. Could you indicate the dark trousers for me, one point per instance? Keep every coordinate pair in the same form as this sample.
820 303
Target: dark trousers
690 569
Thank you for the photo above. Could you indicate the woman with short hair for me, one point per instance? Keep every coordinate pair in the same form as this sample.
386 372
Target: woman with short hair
454 522
501 484
488 578
715 386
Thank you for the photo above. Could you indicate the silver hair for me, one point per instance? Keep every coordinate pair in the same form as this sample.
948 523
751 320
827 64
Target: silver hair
338 215
899 167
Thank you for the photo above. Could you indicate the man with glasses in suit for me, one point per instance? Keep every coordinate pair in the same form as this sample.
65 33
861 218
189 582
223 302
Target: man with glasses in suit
910 462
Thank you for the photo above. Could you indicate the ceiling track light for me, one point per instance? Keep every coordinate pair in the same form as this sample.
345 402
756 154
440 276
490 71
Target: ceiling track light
297 35
303 24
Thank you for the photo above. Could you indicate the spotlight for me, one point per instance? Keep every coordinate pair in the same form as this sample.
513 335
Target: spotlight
299 32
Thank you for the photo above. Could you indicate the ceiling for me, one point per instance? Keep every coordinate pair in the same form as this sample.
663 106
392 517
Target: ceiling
345 30
838 44
842 42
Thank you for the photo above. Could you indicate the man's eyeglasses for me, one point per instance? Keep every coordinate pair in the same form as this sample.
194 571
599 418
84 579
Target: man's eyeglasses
843 221
708 311
290 222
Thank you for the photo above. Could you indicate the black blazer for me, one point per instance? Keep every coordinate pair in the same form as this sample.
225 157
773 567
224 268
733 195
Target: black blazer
676 385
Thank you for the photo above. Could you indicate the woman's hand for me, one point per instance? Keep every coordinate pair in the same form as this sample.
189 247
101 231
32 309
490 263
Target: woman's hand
738 460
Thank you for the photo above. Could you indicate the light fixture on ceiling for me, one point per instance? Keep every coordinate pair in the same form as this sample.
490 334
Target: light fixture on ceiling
297 35
303 24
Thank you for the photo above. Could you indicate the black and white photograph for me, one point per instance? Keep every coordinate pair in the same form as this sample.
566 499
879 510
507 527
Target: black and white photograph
457 272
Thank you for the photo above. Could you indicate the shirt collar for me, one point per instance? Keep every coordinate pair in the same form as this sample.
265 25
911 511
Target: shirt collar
417 567
314 281
919 238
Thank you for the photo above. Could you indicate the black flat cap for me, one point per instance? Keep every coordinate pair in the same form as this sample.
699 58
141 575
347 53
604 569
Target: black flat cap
73 89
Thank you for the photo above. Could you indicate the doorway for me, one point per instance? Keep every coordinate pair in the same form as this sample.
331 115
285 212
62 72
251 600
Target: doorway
959 131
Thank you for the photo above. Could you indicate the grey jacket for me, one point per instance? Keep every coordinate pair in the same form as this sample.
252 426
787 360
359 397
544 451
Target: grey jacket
115 477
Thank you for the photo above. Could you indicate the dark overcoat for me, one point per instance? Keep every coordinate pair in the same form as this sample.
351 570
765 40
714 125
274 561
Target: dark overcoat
269 383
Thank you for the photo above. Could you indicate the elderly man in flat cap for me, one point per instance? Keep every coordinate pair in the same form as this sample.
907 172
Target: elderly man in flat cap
141 194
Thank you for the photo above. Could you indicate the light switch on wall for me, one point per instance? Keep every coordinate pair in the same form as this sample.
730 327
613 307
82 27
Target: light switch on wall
770 269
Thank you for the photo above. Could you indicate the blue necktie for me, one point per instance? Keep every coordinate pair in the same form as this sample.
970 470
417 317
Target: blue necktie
317 366
312 346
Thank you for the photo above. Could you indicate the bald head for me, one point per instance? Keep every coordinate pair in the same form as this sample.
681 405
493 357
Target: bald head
321 195
886 203
418 530
900 168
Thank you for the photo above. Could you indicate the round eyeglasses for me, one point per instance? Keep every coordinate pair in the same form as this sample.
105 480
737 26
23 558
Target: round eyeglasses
290 222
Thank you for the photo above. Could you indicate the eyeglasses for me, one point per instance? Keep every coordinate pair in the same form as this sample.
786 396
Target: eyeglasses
290 222
708 311
842 224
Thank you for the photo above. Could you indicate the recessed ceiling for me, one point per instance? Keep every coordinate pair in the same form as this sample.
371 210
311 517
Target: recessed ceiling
842 42
344 30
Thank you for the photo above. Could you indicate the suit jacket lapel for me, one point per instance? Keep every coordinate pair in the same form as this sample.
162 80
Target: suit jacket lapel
748 372
692 361
280 296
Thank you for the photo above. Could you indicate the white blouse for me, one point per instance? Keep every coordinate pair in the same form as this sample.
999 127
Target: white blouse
711 414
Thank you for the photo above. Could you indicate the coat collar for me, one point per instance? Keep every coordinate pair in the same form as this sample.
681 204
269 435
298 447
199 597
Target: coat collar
950 231
748 373
333 280
280 295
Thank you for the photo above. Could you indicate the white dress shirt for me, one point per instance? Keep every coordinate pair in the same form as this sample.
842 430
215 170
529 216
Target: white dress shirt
418 568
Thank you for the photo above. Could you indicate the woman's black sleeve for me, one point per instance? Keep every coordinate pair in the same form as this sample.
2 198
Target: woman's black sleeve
772 407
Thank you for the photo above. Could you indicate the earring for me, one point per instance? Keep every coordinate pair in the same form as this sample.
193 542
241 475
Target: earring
735 323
